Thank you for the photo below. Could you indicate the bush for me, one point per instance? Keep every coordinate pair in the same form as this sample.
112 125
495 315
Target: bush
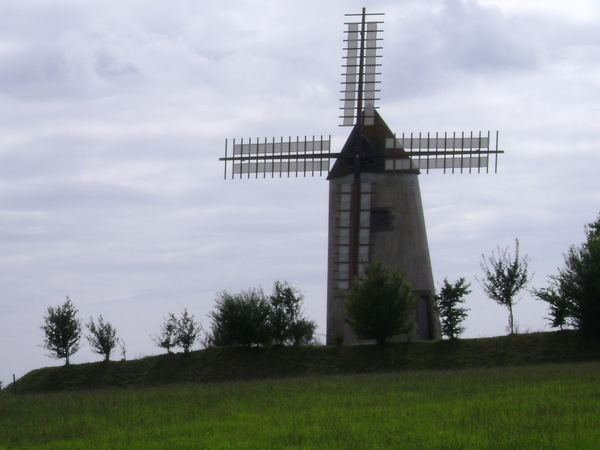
241 319
379 304
250 318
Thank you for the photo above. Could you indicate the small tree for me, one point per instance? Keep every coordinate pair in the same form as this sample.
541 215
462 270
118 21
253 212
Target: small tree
167 338
123 350
241 319
62 331
103 337
287 324
451 315
504 278
379 304
187 331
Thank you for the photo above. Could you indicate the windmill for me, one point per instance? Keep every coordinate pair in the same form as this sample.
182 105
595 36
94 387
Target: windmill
375 208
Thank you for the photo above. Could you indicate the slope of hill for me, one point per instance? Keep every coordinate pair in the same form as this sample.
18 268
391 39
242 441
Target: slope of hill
231 364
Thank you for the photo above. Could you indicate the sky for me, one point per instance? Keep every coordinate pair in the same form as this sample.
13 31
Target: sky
113 116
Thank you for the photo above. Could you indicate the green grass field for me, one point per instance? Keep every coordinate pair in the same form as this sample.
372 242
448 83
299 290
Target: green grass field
550 406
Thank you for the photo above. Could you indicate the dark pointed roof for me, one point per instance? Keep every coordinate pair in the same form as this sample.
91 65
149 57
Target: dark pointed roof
371 145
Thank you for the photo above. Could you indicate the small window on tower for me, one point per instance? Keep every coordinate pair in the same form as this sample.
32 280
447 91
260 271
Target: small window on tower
381 220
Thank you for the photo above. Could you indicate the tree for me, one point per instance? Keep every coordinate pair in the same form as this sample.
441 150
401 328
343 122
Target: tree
450 296
574 294
504 278
560 307
302 332
580 281
379 304
123 350
241 319
62 330
287 324
167 338
103 337
187 331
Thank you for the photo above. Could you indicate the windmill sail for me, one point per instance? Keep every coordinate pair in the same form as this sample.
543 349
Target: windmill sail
447 152
283 157
360 81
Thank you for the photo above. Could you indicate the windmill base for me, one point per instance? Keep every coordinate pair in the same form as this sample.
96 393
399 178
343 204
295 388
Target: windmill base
392 231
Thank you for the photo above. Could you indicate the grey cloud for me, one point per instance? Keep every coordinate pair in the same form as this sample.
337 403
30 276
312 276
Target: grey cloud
72 195
438 46
22 70
51 72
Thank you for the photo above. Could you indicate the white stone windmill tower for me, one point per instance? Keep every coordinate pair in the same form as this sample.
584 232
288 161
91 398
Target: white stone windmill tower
375 208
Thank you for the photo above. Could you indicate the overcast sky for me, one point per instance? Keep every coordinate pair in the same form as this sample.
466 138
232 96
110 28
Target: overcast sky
114 114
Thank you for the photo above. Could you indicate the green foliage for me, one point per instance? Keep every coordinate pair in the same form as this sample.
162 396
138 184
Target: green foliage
62 331
379 304
241 319
175 332
250 318
574 294
187 331
167 338
288 327
533 407
451 315
504 278
302 332
103 337
560 307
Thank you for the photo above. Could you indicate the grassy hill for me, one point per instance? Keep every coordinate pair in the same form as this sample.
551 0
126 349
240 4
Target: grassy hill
232 364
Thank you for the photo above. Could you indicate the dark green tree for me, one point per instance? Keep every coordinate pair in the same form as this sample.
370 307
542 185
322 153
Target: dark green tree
102 337
302 332
62 331
504 278
167 338
187 331
379 304
241 319
581 281
451 315
575 292
559 306
288 326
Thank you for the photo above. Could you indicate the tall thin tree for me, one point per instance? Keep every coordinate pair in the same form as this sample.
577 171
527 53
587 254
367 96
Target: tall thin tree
448 299
503 278
187 331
